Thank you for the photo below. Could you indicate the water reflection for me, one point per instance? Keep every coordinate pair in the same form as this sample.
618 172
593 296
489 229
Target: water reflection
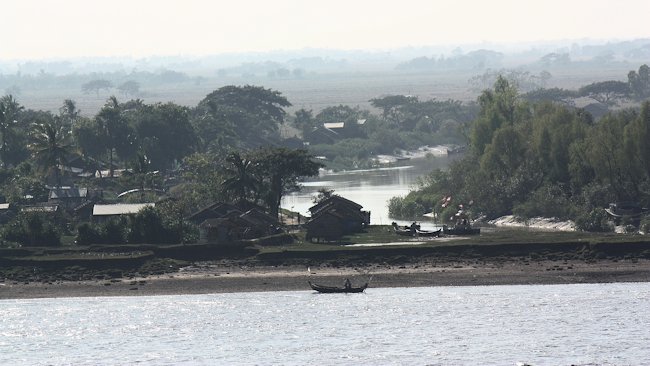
371 188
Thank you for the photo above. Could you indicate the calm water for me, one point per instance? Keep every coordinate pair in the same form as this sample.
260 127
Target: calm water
500 325
370 188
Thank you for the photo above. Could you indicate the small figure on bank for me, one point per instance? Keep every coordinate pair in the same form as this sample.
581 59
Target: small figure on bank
414 227
347 284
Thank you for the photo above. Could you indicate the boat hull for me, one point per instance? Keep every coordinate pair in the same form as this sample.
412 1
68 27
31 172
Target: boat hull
337 290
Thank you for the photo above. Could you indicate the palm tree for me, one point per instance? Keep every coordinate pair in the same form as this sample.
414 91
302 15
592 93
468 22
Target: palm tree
9 108
69 113
50 146
111 122
240 177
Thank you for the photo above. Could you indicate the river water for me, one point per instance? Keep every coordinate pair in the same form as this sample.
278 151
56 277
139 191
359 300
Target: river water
371 188
595 324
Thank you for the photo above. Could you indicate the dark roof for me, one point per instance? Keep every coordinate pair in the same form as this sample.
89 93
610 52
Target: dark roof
68 192
214 210
334 200
258 217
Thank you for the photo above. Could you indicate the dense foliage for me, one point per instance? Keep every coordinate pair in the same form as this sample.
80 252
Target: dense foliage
541 159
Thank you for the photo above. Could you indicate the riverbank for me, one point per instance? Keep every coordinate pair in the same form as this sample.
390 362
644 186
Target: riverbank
241 276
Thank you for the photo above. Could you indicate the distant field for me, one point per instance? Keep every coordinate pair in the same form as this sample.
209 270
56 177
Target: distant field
315 91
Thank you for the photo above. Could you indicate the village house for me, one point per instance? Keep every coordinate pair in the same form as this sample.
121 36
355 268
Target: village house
223 222
103 212
335 217
69 197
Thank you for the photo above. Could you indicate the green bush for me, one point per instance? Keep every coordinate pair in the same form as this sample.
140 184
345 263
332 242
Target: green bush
596 220
147 227
548 201
33 229
405 208
87 234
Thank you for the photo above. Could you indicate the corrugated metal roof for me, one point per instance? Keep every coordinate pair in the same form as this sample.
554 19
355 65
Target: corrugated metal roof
49 208
120 208
334 125
4 206
59 193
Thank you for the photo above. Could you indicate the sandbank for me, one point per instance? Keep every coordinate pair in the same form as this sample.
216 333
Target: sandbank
228 277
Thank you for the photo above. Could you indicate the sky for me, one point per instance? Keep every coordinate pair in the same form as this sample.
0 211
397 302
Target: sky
59 29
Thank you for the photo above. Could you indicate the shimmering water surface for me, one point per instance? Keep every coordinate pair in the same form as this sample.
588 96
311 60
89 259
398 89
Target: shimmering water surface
604 324
371 188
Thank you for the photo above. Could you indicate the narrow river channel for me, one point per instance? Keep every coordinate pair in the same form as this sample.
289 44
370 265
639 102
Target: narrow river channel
371 188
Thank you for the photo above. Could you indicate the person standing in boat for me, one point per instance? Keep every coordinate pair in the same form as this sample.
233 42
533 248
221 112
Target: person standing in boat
348 284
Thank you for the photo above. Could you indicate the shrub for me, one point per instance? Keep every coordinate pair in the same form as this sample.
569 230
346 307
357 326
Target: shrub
87 234
596 220
34 229
147 227
548 201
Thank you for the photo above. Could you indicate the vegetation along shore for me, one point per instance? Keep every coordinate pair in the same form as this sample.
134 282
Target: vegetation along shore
498 257
154 198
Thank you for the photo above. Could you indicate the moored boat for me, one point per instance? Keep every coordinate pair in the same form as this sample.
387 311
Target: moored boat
427 233
334 289
460 230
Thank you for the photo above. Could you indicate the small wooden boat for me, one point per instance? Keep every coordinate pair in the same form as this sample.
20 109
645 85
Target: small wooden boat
334 289
460 230
426 233
403 232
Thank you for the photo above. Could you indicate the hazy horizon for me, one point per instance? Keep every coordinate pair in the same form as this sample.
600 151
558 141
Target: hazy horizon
73 29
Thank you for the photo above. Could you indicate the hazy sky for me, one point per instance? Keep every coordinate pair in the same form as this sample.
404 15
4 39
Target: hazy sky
32 29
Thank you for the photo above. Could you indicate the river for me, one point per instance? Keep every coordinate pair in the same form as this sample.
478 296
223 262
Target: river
585 324
371 188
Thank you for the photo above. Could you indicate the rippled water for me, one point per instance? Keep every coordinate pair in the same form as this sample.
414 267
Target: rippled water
492 325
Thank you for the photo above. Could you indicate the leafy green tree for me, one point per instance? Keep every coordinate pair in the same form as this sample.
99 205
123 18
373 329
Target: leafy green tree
200 183
304 120
639 82
556 95
95 86
89 138
32 229
50 147
240 178
69 114
499 107
165 133
338 113
129 87
392 106
606 92
9 109
281 170
147 226
115 131
235 115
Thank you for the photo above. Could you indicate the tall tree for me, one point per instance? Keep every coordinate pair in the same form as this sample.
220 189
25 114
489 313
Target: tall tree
240 177
9 109
114 128
252 113
96 86
164 132
50 147
499 107
607 92
282 169
639 82
69 113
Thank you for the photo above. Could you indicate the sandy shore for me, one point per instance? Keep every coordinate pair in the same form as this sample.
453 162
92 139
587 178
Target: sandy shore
213 277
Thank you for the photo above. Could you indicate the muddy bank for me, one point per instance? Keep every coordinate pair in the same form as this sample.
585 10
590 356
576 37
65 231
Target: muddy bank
223 277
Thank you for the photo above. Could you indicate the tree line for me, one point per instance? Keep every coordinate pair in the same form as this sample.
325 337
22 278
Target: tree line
227 148
542 158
